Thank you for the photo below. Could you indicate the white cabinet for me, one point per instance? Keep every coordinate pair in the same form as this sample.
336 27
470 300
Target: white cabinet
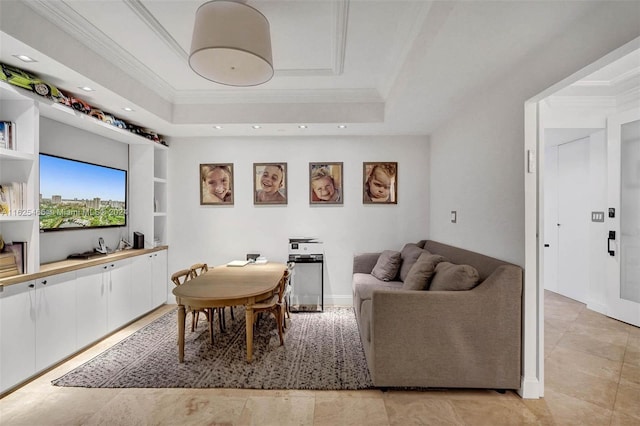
17 334
141 290
55 318
91 304
160 279
119 301
149 281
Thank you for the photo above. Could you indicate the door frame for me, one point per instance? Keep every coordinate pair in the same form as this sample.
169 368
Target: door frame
532 384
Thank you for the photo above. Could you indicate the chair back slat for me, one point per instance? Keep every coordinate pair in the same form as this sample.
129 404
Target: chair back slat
198 269
181 276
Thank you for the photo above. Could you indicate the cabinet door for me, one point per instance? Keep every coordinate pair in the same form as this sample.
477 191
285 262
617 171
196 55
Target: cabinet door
91 304
17 334
118 279
55 318
160 279
141 284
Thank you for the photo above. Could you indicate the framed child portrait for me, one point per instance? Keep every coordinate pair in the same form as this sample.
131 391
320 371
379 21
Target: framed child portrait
269 183
216 184
380 183
325 183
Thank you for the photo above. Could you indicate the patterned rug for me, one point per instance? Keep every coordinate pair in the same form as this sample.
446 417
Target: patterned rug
321 351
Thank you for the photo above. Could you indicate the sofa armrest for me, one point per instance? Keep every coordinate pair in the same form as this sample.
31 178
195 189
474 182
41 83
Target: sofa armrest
363 263
470 338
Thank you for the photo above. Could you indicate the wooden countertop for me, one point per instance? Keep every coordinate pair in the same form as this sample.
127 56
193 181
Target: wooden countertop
68 265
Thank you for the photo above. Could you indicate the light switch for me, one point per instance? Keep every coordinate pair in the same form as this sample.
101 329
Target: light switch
597 216
454 216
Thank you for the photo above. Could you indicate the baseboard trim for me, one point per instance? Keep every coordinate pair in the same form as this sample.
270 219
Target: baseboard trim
596 306
530 388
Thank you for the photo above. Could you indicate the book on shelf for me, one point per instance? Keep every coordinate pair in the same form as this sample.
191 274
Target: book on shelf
8 265
16 251
7 135
12 197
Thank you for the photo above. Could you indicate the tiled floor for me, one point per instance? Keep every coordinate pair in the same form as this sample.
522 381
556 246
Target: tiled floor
592 378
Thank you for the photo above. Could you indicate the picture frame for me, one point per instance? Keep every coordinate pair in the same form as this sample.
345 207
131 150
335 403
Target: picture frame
380 182
269 183
326 183
216 184
19 250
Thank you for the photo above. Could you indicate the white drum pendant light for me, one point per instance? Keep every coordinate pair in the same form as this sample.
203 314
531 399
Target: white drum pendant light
231 44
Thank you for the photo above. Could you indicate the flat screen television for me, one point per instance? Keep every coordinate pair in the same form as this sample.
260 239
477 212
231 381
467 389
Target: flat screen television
79 195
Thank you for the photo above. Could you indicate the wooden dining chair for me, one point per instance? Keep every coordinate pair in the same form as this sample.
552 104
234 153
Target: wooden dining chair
275 306
201 268
180 277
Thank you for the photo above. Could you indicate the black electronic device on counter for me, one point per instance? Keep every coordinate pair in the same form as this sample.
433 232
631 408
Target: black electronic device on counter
138 240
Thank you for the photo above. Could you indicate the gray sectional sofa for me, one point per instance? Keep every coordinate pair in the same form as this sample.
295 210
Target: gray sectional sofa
443 338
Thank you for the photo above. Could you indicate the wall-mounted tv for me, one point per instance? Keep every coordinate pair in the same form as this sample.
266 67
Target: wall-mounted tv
79 195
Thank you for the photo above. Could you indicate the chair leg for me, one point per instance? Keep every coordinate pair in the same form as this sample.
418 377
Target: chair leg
276 315
221 319
210 317
194 320
231 309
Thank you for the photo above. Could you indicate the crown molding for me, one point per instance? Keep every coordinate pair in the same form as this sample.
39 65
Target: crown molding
68 20
280 96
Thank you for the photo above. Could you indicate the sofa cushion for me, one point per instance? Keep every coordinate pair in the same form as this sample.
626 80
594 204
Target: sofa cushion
422 271
363 287
410 254
387 265
450 277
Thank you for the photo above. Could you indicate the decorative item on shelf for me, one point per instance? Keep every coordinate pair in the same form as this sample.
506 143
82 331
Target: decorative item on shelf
231 44
12 197
28 81
7 135
17 251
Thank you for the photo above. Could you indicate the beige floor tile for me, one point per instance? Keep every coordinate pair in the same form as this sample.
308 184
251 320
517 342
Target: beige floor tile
630 374
277 411
628 400
69 407
581 341
333 411
569 411
569 380
540 409
497 412
169 407
620 419
414 409
551 338
574 360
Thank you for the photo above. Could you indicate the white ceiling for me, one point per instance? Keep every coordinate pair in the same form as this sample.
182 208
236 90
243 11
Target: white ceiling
378 66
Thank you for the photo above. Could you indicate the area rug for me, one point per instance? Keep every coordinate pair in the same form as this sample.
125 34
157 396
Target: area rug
322 351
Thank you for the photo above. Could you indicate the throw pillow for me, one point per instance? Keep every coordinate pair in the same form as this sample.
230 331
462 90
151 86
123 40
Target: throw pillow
387 266
422 271
450 277
410 254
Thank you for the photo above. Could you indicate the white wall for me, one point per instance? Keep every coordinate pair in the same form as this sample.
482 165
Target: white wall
218 234
66 141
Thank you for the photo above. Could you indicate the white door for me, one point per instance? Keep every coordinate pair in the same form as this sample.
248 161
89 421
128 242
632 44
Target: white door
573 219
623 247
551 219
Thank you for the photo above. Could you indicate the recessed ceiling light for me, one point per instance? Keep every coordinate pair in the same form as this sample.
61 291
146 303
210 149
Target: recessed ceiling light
25 58
87 89
342 126
256 126
128 109
217 127
302 126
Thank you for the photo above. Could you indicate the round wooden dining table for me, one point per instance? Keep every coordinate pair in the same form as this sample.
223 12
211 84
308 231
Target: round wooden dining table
228 286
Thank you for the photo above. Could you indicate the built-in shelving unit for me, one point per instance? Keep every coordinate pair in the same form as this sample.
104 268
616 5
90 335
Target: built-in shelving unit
147 169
